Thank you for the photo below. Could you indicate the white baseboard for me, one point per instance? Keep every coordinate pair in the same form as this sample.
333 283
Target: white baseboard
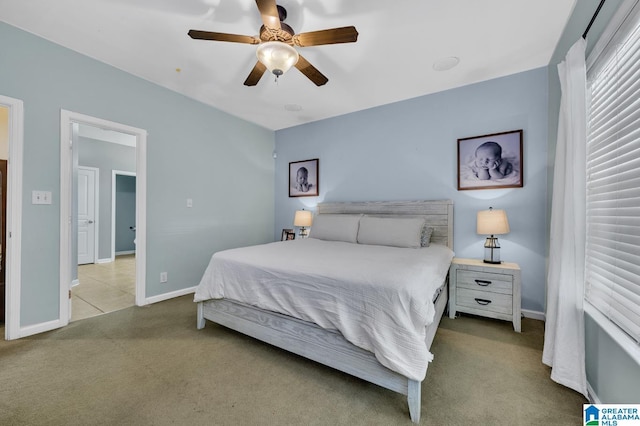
170 295
122 253
533 314
107 260
30 330
75 282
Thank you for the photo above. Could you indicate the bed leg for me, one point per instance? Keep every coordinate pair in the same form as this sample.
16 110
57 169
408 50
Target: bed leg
414 398
200 321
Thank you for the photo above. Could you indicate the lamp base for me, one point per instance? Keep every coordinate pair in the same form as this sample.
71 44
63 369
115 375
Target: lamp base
491 251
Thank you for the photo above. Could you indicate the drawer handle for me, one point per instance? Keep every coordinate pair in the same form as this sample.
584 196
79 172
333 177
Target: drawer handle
483 283
482 301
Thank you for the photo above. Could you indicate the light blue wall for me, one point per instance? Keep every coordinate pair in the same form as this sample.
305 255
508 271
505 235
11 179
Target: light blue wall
408 151
193 151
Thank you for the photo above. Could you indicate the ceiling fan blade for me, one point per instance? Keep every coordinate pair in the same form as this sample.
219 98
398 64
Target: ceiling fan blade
311 72
269 13
332 36
208 35
255 74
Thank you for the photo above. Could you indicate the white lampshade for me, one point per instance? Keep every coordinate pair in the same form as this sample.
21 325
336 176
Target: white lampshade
492 222
303 218
277 56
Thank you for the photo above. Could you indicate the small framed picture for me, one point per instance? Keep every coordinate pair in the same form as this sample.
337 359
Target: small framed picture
288 234
490 161
303 178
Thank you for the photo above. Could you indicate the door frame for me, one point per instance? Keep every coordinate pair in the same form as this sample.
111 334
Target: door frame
96 209
13 251
67 118
114 174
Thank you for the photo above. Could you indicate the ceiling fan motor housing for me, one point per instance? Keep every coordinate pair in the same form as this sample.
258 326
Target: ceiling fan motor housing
284 34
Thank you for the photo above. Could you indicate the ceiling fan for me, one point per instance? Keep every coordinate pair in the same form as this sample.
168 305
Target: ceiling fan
275 44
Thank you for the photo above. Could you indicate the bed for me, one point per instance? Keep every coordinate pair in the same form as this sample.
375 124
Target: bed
281 293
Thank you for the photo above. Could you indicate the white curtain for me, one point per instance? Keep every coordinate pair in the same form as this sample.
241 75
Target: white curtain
564 348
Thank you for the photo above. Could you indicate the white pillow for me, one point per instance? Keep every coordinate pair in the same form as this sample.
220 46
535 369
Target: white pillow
336 227
391 231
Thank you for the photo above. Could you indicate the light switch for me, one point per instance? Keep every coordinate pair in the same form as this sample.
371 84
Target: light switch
40 197
189 202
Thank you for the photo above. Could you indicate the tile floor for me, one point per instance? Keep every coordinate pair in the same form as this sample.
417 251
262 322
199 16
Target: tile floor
104 287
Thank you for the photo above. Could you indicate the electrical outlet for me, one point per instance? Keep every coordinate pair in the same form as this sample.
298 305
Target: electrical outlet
163 277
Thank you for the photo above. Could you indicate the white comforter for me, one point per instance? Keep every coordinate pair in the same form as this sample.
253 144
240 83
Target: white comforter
380 298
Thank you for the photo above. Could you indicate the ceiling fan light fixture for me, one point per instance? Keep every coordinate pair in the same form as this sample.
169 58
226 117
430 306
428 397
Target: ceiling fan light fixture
277 56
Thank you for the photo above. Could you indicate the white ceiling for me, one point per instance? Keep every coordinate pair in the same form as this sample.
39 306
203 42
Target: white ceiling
399 42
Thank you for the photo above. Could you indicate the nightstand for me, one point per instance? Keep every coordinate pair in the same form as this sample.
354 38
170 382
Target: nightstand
485 289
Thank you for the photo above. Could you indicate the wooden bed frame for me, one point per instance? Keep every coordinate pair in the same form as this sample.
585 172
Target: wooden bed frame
330 347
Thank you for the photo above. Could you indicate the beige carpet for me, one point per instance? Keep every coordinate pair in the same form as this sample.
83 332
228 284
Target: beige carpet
150 366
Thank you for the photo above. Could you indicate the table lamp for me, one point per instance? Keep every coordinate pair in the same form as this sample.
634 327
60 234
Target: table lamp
303 219
492 222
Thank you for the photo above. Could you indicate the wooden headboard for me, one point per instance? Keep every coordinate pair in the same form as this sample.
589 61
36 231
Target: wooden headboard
438 213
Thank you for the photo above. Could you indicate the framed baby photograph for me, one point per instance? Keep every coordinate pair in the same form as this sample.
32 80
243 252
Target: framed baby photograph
490 161
303 178
288 234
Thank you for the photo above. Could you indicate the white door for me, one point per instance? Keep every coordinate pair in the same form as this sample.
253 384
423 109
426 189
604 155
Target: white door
86 215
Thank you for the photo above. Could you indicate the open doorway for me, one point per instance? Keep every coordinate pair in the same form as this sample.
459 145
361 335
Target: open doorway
12 124
123 213
103 146
105 280
4 156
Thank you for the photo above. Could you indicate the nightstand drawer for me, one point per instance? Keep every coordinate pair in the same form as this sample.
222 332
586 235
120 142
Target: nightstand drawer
484 281
485 301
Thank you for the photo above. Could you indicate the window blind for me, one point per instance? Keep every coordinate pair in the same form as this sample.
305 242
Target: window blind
613 180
